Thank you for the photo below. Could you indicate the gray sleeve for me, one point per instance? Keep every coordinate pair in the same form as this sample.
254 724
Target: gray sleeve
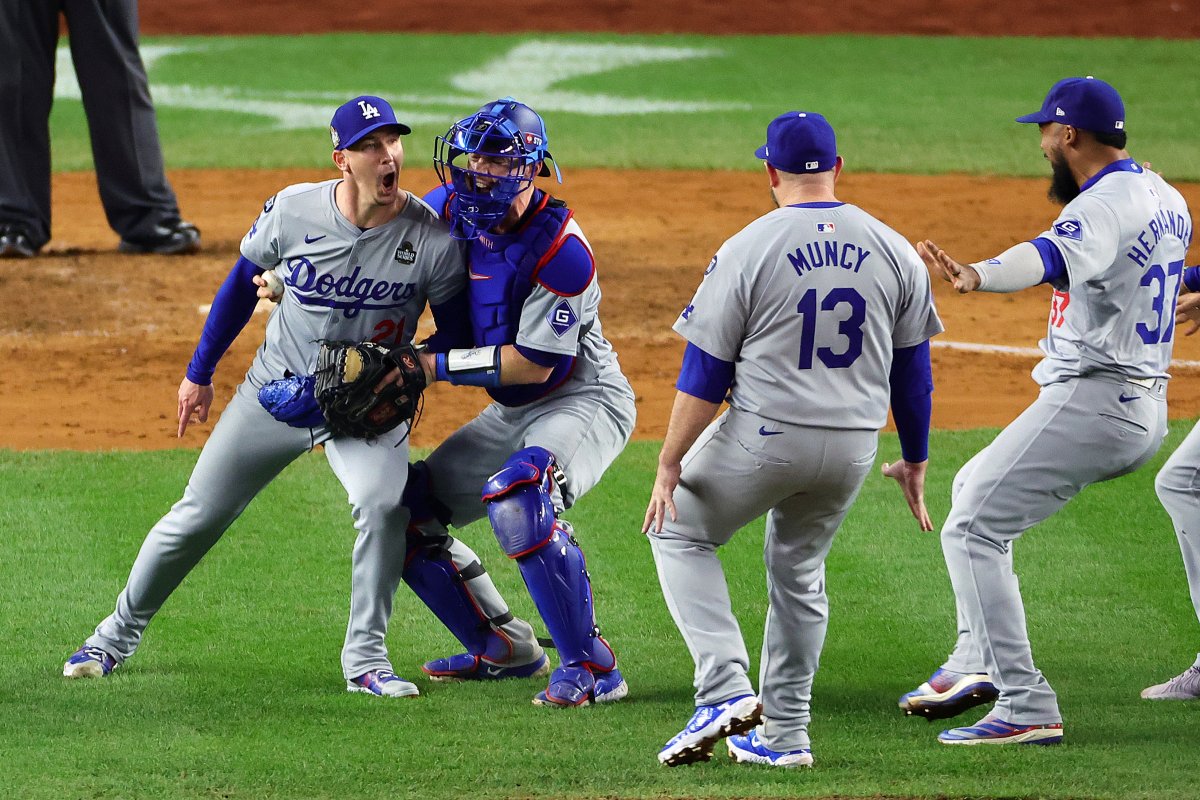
449 273
1087 233
716 319
261 243
552 323
916 318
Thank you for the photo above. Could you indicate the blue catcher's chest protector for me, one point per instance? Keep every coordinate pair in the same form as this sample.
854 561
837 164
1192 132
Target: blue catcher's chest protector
509 262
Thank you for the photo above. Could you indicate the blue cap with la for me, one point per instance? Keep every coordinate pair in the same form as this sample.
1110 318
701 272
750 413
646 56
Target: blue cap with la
355 118
1086 103
800 142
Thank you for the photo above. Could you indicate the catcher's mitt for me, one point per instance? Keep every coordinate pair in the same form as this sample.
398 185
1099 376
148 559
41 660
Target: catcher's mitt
346 376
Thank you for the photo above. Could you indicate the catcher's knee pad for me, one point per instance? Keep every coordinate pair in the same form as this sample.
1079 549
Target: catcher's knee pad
519 501
444 584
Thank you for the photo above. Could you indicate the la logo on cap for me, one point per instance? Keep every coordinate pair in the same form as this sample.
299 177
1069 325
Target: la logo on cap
369 111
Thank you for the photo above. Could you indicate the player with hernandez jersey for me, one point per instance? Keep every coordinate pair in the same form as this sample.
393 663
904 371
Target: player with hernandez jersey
810 318
562 412
360 257
1114 258
1178 487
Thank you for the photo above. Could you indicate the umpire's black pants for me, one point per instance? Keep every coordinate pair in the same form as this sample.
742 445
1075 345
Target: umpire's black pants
116 96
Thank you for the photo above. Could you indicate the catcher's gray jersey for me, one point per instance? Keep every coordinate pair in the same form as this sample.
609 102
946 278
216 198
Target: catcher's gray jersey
344 283
1123 239
810 301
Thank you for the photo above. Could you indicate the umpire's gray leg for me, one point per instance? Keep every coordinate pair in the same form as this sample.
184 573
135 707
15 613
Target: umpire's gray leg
1178 488
120 114
374 473
245 452
1076 433
28 36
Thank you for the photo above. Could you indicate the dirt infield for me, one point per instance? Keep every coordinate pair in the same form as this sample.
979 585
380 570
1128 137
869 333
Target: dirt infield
94 343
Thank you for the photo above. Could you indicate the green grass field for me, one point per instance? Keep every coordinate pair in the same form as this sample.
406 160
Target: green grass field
899 103
237 692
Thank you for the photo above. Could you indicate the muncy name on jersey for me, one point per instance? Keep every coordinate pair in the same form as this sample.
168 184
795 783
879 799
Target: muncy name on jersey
351 293
830 253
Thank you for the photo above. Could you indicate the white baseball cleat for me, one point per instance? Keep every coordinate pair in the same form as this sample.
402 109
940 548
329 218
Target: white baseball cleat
89 662
1184 686
382 683
708 725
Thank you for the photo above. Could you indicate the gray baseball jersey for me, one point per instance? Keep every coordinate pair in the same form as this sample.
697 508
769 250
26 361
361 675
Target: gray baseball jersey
1101 414
810 301
1123 241
343 283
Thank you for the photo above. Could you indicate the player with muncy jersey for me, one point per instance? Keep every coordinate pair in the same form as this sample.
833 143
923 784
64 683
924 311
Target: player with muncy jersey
562 412
810 320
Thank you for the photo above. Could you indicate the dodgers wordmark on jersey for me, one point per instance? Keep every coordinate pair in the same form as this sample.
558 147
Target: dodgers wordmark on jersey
376 282
1123 240
820 322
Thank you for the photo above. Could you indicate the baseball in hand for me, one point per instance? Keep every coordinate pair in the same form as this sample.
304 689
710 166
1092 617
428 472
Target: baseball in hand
270 285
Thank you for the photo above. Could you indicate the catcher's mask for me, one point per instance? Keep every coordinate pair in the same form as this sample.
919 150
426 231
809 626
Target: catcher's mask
504 129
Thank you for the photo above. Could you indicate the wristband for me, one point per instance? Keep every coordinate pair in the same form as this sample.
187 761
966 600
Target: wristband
479 366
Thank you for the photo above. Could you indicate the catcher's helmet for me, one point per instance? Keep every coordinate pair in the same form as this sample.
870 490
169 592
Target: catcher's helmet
504 129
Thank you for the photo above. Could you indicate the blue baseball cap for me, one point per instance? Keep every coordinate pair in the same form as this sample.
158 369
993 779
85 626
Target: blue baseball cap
799 142
355 118
1086 103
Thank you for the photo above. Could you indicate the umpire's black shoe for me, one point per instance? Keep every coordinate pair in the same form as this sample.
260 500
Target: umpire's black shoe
15 242
171 238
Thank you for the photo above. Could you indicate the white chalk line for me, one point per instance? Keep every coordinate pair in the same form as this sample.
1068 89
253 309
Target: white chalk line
1025 352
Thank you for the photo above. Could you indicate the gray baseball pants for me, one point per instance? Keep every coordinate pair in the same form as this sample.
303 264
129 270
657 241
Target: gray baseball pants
1078 432
245 452
804 480
1178 488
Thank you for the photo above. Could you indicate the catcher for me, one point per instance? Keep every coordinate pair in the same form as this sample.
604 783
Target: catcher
361 257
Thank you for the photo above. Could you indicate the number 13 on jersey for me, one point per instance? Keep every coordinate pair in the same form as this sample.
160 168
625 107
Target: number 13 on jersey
849 327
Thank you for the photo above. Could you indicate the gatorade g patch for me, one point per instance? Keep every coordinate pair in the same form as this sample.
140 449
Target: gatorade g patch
1069 229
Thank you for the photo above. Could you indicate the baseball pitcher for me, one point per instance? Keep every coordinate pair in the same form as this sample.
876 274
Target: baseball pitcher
360 258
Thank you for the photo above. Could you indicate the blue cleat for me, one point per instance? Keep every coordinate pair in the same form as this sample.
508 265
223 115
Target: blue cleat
89 662
469 667
708 725
993 730
948 694
578 686
749 749
382 683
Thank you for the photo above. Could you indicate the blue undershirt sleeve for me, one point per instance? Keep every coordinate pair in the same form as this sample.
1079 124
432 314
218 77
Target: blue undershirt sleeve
704 376
1191 278
231 310
1052 261
453 321
911 380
